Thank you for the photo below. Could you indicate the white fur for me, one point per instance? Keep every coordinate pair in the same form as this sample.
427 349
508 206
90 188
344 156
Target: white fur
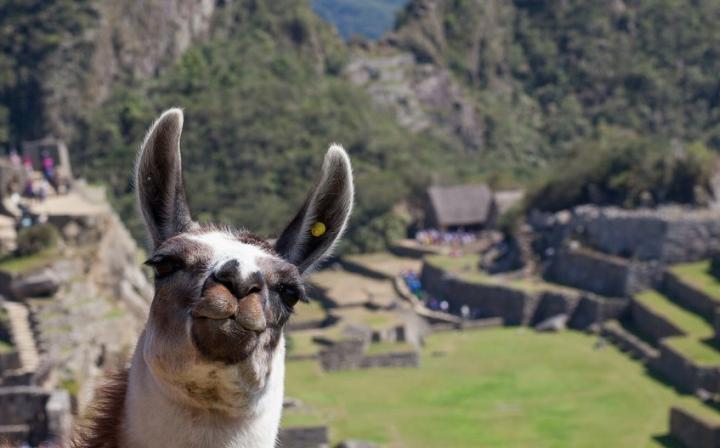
225 247
154 418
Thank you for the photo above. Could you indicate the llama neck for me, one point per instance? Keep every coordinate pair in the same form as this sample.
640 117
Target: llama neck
153 418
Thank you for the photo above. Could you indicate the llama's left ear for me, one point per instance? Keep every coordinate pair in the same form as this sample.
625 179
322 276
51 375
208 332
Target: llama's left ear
318 225
159 180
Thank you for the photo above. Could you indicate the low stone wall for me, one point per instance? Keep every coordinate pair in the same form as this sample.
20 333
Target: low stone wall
684 373
602 274
516 307
627 341
651 324
692 430
409 358
688 296
303 437
342 355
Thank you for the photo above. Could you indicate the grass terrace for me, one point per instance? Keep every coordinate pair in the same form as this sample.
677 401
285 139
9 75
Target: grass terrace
698 275
504 387
312 311
5 347
700 352
385 263
18 265
376 320
690 323
301 343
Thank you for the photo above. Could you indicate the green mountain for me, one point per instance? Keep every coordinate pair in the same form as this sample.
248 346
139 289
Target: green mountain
504 91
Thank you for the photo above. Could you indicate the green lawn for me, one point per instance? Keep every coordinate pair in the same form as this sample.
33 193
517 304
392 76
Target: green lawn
504 387
698 274
701 353
311 311
302 343
690 323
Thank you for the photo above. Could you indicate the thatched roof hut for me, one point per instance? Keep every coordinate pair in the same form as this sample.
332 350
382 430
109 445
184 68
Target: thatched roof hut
471 207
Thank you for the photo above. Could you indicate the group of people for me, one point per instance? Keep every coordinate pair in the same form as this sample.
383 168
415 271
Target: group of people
436 237
34 188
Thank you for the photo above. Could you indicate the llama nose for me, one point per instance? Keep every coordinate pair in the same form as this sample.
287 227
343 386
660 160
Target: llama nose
231 277
248 291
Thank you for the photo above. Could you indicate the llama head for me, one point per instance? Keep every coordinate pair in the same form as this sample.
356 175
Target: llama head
222 296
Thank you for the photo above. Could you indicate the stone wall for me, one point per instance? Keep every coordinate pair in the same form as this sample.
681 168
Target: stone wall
651 324
25 405
410 358
602 274
593 309
627 341
668 234
519 307
688 296
692 430
342 355
684 373
9 361
303 437
513 305
554 303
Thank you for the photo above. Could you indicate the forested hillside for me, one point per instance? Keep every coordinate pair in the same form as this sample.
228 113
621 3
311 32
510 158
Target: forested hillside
265 90
263 100
555 79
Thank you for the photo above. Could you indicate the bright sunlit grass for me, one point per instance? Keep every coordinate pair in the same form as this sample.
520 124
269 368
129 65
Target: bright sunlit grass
507 387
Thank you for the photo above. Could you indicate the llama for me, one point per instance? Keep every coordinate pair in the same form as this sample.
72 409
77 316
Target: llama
208 369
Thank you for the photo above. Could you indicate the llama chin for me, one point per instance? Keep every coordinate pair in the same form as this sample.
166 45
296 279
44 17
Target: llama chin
208 369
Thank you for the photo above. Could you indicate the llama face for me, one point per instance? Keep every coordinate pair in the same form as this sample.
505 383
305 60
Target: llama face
222 297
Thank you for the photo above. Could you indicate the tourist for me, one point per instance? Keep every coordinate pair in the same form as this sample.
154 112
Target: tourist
48 166
15 159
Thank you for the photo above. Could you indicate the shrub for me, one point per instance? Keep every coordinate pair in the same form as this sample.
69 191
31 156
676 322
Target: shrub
35 239
622 168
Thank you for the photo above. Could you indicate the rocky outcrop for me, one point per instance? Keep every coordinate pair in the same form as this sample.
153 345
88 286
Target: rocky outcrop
127 40
421 95
91 323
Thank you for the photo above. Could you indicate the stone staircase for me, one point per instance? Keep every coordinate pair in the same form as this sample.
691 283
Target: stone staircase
22 335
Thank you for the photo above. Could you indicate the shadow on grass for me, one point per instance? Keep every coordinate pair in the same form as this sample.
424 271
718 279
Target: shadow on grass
667 441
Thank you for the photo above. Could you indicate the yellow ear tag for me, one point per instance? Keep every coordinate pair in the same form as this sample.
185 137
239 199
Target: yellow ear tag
318 229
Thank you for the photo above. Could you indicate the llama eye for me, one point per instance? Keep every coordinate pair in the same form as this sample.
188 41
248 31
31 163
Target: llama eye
291 294
164 266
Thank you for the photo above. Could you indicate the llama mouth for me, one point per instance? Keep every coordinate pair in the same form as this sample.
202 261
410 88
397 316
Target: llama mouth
224 340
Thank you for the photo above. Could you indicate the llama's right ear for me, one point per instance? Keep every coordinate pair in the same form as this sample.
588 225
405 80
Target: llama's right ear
159 180
321 221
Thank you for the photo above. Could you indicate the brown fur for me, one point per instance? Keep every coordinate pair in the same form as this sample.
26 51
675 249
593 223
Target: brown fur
105 417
